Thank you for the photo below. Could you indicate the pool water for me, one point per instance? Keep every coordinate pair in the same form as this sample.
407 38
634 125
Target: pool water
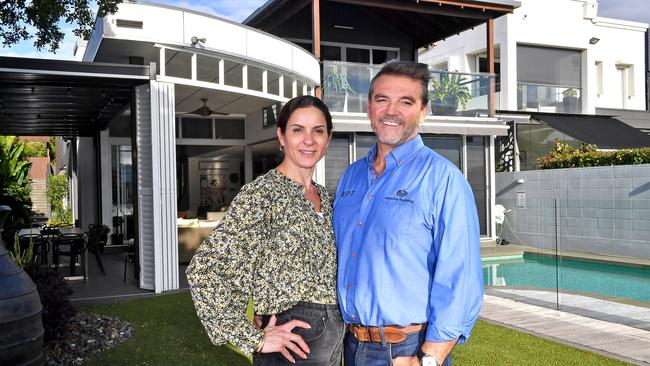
539 272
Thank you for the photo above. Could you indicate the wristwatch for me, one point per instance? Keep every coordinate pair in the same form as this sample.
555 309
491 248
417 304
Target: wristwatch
427 359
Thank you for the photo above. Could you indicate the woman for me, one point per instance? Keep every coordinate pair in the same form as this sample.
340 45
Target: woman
276 246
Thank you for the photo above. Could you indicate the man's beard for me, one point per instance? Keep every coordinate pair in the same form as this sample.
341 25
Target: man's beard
396 140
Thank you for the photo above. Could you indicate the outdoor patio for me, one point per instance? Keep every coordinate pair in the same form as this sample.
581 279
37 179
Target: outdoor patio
109 288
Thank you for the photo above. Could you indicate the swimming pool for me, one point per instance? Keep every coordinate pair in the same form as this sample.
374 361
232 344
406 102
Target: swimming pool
533 271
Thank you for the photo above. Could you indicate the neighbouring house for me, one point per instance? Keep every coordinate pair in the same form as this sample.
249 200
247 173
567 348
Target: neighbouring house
563 79
176 108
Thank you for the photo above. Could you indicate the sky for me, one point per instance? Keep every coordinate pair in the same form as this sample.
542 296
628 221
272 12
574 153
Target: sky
238 10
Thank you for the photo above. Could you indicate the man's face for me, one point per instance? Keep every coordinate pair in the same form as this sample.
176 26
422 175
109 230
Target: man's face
395 109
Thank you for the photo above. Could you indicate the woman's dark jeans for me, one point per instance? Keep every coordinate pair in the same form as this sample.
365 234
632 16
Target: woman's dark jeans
325 338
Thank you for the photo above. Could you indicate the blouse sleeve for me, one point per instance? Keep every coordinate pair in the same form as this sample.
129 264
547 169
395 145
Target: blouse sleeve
220 273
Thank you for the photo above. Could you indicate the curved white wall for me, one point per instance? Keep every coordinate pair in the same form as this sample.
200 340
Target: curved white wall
176 26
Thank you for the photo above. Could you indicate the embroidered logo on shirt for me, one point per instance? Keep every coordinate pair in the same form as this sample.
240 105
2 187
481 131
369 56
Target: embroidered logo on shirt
347 193
400 194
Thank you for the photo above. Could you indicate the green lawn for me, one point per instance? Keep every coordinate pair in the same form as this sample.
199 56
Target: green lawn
167 332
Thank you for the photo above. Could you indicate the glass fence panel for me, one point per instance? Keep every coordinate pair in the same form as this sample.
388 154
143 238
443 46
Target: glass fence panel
577 241
549 98
346 86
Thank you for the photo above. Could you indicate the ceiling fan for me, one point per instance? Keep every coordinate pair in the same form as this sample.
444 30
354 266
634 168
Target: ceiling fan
205 111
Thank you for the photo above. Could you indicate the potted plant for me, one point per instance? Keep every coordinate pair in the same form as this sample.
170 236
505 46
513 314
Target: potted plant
448 93
570 100
335 84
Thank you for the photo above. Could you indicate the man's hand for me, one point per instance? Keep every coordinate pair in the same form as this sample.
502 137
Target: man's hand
439 350
280 339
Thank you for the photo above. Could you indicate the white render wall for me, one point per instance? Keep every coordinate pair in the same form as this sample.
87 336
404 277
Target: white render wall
561 24
176 26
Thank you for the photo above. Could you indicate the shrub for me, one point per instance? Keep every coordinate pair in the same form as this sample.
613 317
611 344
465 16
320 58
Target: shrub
566 156
35 149
54 292
57 192
22 258
14 184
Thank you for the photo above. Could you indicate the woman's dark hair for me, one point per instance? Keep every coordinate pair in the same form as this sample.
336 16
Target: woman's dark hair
303 101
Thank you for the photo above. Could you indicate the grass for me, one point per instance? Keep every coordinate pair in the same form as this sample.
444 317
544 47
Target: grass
167 332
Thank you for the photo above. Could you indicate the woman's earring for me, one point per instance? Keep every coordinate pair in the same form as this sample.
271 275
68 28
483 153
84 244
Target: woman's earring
282 148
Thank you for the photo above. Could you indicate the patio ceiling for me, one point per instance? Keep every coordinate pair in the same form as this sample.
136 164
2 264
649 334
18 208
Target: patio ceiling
424 21
63 98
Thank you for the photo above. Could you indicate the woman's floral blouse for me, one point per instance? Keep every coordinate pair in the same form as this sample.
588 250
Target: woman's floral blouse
271 246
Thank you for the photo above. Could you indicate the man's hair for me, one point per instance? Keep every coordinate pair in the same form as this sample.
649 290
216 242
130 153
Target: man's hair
410 69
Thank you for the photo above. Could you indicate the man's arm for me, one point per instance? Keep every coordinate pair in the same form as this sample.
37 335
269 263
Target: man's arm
457 285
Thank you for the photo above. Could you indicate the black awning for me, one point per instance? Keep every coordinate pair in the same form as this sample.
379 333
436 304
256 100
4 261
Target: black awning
63 98
603 131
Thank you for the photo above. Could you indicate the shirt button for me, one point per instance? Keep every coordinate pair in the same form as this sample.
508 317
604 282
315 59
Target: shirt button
400 162
350 287
369 197
351 316
360 224
354 254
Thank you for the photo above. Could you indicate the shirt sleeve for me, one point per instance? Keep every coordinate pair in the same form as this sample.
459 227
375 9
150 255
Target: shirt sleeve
220 273
457 285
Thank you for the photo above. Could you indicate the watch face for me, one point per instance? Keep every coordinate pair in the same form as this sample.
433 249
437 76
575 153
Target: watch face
428 360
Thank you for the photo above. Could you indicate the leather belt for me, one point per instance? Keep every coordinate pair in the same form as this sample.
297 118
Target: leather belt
392 333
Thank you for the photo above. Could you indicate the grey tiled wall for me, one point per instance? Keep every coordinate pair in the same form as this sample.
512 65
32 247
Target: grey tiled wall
601 210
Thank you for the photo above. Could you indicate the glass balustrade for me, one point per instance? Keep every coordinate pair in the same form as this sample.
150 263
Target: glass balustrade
346 85
549 98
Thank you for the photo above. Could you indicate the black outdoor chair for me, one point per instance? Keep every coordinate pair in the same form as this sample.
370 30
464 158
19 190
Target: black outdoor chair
129 257
96 238
40 246
73 246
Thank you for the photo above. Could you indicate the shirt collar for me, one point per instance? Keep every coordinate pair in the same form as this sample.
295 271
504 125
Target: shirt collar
401 153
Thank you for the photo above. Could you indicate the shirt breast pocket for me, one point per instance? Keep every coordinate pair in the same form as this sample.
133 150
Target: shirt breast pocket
398 219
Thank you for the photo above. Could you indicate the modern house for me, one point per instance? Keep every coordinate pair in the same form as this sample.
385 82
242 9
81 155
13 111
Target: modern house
552 80
174 110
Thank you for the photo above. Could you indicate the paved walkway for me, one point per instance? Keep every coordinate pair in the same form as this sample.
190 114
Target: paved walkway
615 340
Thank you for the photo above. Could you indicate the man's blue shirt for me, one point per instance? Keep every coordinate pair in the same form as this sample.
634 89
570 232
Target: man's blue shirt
408 244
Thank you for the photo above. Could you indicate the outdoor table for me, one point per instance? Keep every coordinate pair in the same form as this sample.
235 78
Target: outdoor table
62 230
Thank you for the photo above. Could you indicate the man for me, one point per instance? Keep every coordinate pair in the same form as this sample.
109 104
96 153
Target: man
410 285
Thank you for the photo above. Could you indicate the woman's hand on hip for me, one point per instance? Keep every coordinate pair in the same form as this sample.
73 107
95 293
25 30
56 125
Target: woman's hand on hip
280 339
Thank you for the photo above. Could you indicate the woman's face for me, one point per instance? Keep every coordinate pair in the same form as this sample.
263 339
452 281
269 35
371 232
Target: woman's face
305 139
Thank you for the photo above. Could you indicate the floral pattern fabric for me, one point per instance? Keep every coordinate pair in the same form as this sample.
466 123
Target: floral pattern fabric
270 246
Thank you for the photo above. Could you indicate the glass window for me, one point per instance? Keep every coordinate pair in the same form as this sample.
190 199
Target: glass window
476 176
549 66
364 142
197 128
382 56
229 128
330 53
447 146
270 114
536 140
359 55
336 161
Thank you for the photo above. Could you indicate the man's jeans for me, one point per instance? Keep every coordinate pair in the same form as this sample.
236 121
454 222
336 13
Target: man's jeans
377 354
325 337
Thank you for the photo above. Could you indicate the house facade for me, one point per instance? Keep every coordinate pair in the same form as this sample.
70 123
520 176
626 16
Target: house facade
185 106
578 63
